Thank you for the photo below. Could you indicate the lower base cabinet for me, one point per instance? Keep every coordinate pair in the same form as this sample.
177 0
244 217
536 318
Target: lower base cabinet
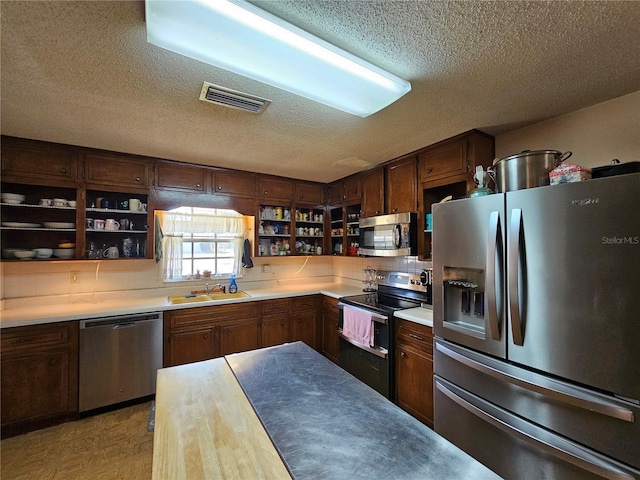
330 341
414 370
203 333
39 376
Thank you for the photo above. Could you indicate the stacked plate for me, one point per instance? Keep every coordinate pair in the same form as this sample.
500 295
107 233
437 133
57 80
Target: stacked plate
59 225
14 198
64 252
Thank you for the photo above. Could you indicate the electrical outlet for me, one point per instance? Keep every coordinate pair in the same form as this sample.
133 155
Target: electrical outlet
266 268
75 277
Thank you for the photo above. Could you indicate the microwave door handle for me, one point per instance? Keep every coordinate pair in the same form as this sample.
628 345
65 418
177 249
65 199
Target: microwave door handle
397 236
515 230
494 248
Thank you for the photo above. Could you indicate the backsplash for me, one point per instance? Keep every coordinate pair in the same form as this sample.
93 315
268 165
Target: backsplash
27 281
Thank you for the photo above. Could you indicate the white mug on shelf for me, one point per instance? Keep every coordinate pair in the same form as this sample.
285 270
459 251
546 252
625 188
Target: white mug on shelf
135 205
98 224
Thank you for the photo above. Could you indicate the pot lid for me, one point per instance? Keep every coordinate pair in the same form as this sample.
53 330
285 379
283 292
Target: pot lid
528 153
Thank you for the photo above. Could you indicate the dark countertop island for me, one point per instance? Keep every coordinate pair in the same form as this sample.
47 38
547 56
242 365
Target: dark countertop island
323 422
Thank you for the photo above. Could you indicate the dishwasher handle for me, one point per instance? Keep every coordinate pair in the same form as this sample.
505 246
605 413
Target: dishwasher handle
120 321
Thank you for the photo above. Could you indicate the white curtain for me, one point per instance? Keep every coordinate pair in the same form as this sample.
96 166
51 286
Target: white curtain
172 257
175 224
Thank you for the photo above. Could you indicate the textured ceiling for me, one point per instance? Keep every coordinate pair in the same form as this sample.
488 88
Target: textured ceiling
82 73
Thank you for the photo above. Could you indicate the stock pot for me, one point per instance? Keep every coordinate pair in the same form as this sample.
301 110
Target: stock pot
527 169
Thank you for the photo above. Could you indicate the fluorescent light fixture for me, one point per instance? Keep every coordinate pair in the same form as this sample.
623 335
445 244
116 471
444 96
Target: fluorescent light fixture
239 37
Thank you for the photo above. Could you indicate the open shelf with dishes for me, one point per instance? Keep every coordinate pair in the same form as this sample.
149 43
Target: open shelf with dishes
309 231
115 225
274 230
38 222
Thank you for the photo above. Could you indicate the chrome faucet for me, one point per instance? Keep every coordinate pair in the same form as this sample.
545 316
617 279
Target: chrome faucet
210 289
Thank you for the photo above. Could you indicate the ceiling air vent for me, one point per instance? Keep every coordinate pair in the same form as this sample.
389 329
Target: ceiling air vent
233 99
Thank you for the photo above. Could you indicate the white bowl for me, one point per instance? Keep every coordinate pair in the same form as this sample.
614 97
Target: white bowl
12 198
64 252
44 252
24 254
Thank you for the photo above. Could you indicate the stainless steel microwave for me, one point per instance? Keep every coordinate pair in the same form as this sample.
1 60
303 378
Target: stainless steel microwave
393 235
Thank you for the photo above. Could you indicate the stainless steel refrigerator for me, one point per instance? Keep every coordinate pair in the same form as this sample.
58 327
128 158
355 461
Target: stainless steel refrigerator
536 299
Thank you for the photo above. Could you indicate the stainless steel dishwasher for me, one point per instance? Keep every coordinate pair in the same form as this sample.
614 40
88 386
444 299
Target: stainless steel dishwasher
119 358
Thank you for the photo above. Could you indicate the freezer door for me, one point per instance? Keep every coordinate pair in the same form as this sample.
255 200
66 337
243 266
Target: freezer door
573 276
600 422
468 272
513 447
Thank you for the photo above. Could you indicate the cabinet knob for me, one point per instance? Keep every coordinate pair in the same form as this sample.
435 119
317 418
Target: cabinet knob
206 335
429 170
228 332
402 354
282 323
52 362
63 170
219 187
197 185
137 179
394 210
266 193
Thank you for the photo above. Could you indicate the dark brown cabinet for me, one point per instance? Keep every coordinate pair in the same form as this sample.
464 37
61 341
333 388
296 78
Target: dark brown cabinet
353 190
401 186
202 333
111 169
373 192
309 193
336 193
304 320
236 184
40 163
414 370
330 340
275 322
273 189
39 374
179 176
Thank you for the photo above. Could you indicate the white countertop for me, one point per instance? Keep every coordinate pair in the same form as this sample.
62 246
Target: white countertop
124 306
417 315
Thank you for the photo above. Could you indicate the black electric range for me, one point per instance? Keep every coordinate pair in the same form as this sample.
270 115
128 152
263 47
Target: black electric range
375 364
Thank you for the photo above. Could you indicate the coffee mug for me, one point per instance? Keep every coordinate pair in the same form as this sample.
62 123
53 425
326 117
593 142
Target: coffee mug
124 224
89 223
111 224
135 205
98 224
45 202
111 252
124 205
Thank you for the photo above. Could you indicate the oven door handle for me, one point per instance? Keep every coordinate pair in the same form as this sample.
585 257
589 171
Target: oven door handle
377 351
375 317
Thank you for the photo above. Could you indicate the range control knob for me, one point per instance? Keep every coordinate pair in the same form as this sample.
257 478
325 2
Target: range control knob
425 277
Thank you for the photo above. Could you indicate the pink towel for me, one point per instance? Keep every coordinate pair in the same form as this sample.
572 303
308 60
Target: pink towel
358 325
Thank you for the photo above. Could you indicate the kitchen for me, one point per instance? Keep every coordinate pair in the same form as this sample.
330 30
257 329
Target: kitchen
595 134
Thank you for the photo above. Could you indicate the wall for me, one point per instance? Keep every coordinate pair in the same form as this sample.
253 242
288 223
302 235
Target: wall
595 135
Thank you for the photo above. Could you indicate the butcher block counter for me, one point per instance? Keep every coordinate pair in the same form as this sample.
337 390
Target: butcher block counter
287 411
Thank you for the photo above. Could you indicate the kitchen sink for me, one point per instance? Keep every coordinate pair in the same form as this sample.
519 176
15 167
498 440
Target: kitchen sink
206 298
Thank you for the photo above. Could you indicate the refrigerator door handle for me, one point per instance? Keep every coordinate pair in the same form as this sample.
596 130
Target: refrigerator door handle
514 260
578 457
592 405
494 248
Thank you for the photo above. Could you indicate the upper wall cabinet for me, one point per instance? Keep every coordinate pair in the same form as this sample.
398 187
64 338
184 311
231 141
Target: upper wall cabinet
310 193
112 169
272 189
237 184
456 156
353 190
373 192
38 163
401 186
336 193
179 176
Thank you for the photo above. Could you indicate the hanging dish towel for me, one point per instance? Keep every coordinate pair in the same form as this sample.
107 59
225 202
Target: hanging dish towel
358 325
159 237
246 254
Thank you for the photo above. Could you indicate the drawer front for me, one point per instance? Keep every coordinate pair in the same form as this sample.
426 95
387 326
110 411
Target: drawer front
330 305
444 161
238 311
415 334
305 303
271 307
190 316
20 338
